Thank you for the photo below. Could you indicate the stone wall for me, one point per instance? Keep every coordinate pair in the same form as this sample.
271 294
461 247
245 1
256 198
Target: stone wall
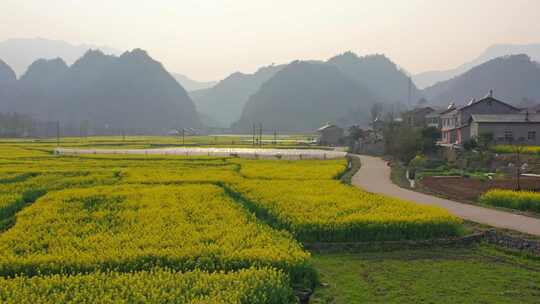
512 242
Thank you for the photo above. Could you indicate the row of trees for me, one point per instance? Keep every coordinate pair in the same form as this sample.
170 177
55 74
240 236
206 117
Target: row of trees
16 125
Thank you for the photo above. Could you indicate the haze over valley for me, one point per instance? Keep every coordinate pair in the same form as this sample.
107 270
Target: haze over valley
135 92
269 151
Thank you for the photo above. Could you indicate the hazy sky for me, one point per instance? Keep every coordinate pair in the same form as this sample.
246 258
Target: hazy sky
209 39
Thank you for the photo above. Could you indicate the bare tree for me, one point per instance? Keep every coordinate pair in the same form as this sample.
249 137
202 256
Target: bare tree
518 148
376 111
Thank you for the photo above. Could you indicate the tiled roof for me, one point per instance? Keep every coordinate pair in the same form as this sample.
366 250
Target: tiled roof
506 118
327 126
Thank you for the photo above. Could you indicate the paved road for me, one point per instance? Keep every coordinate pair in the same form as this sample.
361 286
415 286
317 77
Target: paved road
374 176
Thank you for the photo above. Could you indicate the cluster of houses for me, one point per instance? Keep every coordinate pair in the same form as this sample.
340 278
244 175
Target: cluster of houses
504 123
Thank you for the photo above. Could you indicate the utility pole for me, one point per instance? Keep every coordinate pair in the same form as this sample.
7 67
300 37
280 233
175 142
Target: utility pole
58 133
260 134
183 137
409 93
253 132
275 137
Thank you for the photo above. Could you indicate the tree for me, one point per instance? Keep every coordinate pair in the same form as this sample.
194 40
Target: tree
484 141
355 132
402 141
471 144
430 135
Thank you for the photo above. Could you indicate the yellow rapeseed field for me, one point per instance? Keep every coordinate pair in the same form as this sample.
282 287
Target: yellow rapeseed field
327 210
519 200
223 230
254 286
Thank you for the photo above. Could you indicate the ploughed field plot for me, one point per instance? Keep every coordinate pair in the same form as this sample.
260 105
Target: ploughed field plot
480 274
167 223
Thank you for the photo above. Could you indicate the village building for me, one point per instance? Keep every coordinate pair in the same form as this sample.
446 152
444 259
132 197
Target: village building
455 122
330 135
433 119
417 116
377 125
523 128
533 110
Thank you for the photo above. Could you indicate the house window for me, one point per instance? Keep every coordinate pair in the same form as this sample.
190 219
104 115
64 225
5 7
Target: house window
531 135
508 135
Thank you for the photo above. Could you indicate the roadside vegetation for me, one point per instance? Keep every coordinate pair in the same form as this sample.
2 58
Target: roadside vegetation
467 174
519 200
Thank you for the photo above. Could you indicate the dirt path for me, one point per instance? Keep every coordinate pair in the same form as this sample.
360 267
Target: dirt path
374 176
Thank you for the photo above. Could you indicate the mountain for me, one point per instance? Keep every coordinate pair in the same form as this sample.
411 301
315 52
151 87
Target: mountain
223 102
305 95
43 72
20 53
6 73
380 75
132 92
427 79
192 85
514 79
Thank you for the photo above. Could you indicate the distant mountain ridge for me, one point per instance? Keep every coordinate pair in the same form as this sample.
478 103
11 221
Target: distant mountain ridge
430 78
21 52
223 102
6 73
132 92
378 73
514 79
305 95
192 85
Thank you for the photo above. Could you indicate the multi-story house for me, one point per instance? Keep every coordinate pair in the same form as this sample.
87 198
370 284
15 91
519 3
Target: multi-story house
455 122
417 117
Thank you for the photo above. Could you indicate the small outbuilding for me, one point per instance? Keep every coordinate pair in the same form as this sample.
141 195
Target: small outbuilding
330 135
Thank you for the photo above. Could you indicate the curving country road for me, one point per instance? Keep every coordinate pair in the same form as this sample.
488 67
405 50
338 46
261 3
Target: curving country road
374 176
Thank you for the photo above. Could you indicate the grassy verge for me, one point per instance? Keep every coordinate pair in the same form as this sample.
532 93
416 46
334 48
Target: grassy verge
479 274
353 167
397 175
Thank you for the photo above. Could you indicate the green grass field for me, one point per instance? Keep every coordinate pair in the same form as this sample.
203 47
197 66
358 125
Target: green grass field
480 274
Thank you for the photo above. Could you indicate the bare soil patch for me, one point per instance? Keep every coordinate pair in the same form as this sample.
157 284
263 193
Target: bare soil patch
469 189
